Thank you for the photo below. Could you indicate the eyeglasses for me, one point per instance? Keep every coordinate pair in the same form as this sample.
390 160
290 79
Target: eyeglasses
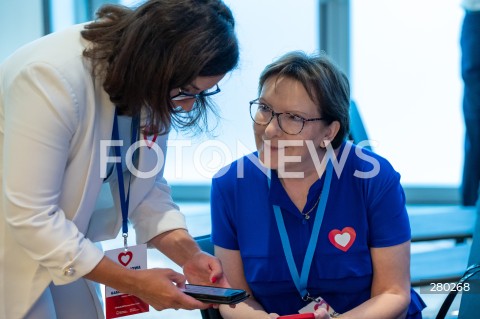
289 123
185 95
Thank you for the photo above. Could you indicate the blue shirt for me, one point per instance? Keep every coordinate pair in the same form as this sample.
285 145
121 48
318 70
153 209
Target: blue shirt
361 213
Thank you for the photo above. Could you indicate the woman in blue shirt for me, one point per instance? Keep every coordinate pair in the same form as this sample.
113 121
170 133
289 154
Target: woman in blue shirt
311 222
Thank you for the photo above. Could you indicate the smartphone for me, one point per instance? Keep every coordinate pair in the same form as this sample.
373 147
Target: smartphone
216 295
309 315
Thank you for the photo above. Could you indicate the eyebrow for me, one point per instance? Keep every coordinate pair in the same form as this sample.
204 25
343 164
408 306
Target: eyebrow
296 112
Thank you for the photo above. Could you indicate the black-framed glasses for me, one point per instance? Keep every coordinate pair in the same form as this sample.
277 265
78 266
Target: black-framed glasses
185 95
289 123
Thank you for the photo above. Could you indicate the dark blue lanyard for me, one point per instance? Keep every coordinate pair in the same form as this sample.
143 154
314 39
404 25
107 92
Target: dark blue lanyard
124 199
302 280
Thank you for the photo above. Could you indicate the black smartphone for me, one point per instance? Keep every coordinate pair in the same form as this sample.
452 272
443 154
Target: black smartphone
309 315
216 295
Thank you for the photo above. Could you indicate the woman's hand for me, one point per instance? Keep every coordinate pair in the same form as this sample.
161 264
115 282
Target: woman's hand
199 267
205 269
160 288
319 314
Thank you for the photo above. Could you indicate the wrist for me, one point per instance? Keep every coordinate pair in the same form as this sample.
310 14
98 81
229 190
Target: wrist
177 245
111 274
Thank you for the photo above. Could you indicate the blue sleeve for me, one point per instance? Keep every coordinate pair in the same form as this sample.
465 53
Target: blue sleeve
387 214
222 205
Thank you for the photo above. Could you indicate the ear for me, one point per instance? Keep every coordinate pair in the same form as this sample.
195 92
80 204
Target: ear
330 132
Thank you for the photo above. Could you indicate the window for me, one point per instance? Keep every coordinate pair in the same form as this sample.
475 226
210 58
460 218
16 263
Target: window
404 71
266 30
406 80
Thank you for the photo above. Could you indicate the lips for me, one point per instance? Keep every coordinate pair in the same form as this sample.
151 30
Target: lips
268 144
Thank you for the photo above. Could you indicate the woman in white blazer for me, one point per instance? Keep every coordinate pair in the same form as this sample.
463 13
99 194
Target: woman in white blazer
59 96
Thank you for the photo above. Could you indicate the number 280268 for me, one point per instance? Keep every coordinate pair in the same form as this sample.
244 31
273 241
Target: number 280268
438 287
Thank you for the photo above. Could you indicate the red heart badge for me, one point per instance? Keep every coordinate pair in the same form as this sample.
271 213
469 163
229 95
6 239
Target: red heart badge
125 258
343 239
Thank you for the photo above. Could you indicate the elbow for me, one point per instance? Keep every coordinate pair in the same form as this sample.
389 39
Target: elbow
404 304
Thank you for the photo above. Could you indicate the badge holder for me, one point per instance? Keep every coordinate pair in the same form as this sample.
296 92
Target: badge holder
118 304
301 279
317 303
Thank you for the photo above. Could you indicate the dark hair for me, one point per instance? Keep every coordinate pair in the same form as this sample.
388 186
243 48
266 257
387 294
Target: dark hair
144 53
325 84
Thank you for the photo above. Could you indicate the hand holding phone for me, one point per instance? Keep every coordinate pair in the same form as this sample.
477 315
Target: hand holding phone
309 315
216 295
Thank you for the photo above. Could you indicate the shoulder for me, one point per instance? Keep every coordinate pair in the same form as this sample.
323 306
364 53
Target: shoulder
376 179
244 167
55 66
57 49
243 174
57 56
364 163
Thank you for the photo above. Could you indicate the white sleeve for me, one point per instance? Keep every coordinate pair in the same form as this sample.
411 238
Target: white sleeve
40 118
157 213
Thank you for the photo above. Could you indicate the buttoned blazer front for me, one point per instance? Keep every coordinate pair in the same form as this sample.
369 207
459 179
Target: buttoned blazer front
53 117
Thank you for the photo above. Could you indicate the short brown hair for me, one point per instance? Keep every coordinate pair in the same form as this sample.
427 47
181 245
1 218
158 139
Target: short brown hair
325 84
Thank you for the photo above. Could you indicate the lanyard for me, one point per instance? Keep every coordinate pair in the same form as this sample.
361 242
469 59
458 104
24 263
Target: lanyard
301 281
124 198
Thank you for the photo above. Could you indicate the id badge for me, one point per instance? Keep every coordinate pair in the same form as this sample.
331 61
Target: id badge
317 303
118 304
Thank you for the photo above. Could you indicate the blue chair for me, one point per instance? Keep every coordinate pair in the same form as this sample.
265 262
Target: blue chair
470 279
470 302
357 133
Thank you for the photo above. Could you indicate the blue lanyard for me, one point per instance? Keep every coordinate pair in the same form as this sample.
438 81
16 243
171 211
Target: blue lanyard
124 198
302 280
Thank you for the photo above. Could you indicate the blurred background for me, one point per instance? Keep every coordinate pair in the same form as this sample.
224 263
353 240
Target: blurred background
402 58
403 61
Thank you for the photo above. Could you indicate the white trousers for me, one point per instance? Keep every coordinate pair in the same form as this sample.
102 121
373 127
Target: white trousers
79 300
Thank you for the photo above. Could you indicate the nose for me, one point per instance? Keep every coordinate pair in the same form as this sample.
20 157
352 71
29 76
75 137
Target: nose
273 128
186 105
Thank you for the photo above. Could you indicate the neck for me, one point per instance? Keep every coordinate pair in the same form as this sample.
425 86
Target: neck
298 188
306 171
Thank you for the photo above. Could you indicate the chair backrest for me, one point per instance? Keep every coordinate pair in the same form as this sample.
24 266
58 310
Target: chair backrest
357 132
470 302
205 243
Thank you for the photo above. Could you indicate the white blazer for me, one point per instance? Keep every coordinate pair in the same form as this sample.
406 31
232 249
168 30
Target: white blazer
53 116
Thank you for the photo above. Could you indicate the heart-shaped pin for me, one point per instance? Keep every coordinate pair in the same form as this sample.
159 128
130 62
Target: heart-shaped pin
125 258
342 239
322 304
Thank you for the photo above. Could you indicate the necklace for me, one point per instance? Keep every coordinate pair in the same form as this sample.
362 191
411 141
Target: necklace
307 214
